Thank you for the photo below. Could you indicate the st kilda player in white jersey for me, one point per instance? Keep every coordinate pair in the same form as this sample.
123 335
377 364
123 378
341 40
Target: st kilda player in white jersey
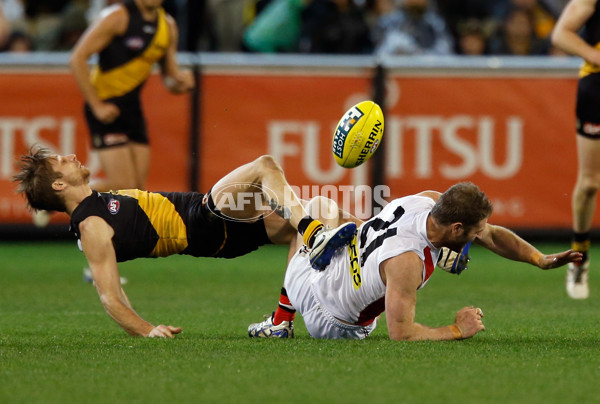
351 290
393 255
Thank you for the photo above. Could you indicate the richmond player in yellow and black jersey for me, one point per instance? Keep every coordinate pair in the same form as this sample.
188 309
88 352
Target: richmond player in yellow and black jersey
159 224
578 32
123 225
129 39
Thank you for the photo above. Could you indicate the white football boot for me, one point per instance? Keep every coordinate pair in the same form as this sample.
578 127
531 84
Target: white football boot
577 280
267 329
327 242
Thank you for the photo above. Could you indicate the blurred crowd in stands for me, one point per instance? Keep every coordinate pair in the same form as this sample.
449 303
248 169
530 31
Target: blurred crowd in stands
398 27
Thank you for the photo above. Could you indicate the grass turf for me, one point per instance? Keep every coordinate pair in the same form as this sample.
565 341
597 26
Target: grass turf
58 346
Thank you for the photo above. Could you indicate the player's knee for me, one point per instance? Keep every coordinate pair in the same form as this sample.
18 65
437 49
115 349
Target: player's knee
323 209
589 185
266 163
589 188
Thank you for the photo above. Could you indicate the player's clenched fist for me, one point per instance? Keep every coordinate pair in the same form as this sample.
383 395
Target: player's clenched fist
106 112
468 320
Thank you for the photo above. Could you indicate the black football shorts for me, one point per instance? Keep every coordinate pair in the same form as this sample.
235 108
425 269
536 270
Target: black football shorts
588 113
130 126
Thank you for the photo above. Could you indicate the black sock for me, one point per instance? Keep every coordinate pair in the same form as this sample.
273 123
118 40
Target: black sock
303 224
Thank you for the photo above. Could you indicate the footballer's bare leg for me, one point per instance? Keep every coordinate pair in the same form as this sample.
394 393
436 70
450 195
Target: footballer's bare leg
141 159
264 179
265 176
583 205
337 232
323 209
119 168
588 183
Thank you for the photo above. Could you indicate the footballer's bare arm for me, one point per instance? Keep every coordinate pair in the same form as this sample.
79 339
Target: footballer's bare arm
176 80
565 34
507 244
113 22
96 242
403 275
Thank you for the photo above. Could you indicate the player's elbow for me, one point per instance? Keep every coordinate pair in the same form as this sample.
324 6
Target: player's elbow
72 63
75 60
110 301
554 40
556 37
401 337
401 334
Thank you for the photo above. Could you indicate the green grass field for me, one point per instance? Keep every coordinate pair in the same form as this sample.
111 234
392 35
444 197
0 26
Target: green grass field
58 346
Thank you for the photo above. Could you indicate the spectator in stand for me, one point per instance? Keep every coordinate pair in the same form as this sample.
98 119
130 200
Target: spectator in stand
72 26
14 14
43 19
276 28
13 27
555 6
516 36
471 38
542 16
456 12
92 13
335 26
4 29
228 18
410 29
18 41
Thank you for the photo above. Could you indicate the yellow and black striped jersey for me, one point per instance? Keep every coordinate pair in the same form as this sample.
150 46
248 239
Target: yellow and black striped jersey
126 63
159 224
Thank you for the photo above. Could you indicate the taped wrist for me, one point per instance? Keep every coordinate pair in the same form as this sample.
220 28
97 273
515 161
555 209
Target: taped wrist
456 333
536 257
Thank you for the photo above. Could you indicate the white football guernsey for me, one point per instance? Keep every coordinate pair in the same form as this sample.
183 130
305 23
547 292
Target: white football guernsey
351 288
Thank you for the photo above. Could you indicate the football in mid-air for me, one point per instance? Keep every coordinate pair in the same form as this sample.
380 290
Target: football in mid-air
358 134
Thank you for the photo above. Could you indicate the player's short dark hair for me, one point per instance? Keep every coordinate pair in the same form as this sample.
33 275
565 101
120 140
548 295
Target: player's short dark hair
463 202
35 180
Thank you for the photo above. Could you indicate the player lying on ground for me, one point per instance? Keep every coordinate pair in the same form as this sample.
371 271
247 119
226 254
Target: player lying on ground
392 256
123 225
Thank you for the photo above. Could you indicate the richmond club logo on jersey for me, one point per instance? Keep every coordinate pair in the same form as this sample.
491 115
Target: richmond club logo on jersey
113 206
134 43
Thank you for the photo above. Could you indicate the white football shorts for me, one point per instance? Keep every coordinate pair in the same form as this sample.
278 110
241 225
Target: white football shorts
299 279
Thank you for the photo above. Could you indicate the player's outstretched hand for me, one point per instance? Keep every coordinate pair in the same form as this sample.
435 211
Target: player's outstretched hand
164 331
559 259
468 320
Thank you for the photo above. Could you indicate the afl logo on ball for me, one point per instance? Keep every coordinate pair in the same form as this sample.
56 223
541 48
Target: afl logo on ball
113 206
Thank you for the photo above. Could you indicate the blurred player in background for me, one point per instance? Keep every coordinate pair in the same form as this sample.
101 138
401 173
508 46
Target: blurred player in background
4 29
576 15
128 38
124 225
392 256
